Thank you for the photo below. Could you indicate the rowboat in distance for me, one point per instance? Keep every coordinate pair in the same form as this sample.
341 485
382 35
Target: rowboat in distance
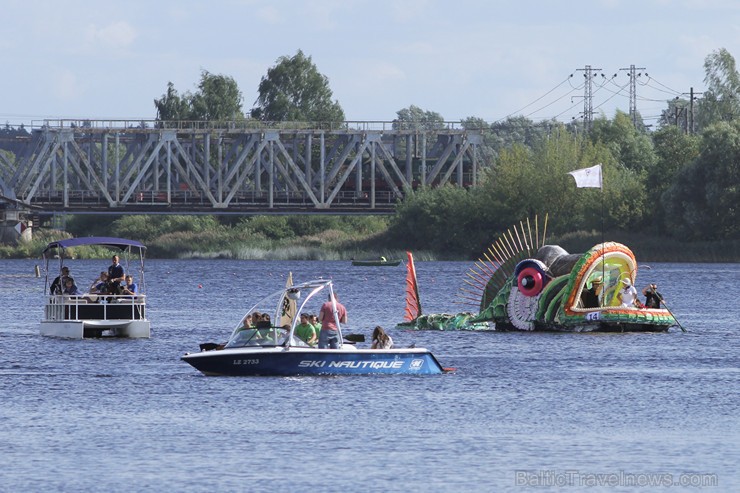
382 261
91 315
274 349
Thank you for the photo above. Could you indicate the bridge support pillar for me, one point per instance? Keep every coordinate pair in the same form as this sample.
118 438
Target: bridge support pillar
14 226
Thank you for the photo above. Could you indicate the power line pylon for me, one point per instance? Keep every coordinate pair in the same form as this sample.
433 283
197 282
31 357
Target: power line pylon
633 90
588 106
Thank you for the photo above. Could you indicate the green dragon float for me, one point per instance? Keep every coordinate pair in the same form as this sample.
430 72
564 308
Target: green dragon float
521 283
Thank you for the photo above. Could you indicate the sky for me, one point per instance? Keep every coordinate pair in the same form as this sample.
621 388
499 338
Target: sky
489 59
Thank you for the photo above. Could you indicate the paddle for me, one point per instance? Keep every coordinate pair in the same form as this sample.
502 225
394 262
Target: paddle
672 315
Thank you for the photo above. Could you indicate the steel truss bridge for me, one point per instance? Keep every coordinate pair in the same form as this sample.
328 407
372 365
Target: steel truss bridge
118 167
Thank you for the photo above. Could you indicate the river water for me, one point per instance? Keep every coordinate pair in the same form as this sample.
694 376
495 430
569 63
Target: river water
523 411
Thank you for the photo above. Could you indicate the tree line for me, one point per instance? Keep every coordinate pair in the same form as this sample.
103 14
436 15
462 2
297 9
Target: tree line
676 181
668 181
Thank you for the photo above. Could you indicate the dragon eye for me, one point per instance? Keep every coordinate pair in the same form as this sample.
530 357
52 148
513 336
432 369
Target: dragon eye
530 281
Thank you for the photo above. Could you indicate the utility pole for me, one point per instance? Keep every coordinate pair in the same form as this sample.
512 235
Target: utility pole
588 106
633 91
689 117
692 97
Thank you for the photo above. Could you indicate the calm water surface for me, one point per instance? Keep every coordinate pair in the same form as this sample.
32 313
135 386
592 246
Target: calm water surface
542 412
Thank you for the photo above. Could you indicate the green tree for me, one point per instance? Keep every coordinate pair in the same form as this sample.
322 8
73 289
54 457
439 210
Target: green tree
294 90
674 150
172 107
415 118
703 201
218 98
440 219
519 130
632 148
720 99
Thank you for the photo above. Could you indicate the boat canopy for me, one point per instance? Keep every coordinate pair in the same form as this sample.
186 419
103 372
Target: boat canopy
120 243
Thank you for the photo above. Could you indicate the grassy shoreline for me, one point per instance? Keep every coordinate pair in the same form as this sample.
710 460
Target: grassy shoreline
332 245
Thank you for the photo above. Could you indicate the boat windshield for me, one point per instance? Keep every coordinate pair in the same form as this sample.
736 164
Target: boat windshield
267 337
274 320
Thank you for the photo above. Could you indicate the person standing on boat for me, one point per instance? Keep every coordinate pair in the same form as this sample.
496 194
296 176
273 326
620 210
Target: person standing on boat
590 296
628 294
329 335
115 276
653 298
59 282
306 331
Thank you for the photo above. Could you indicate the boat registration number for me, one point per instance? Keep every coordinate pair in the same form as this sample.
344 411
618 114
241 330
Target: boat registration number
246 362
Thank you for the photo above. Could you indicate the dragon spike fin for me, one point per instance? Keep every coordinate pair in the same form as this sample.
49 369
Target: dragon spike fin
544 230
497 263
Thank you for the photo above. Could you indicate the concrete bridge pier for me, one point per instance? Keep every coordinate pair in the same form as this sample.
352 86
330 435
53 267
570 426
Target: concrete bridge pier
15 227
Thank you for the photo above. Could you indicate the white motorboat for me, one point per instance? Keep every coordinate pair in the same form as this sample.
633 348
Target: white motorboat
95 315
274 349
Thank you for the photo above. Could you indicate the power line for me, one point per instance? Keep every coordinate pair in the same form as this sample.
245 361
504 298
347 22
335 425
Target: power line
530 104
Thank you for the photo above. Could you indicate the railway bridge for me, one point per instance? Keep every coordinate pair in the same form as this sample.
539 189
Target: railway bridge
151 167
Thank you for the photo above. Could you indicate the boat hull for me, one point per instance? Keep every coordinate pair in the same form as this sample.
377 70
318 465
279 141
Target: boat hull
82 329
290 361
376 263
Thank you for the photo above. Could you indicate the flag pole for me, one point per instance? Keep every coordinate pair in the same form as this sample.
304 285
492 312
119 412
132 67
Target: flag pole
603 244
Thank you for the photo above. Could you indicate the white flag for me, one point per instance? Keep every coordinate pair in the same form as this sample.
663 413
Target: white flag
588 177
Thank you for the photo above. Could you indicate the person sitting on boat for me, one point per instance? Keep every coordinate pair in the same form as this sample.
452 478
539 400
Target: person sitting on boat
246 322
100 285
653 298
115 276
314 320
130 287
305 331
627 296
70 288
590 296
329 335
381 340
59 282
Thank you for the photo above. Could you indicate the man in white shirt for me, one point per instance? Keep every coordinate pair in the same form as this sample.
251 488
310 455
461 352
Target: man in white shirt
628 294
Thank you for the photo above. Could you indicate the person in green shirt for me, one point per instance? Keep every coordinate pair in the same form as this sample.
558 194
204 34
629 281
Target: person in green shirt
306 331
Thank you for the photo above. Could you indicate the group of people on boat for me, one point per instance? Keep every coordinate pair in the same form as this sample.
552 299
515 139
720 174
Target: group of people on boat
626 296
111 282
315 330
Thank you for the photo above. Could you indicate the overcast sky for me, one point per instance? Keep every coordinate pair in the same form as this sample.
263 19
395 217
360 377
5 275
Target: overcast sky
490 59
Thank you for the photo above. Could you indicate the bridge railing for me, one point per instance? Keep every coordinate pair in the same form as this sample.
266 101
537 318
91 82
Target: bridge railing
137 125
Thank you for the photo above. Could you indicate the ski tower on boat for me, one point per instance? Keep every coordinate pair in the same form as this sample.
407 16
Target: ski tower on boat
89 315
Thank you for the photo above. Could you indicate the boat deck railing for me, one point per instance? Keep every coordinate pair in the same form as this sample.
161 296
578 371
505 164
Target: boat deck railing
95 307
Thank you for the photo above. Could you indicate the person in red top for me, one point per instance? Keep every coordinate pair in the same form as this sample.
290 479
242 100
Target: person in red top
329 335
